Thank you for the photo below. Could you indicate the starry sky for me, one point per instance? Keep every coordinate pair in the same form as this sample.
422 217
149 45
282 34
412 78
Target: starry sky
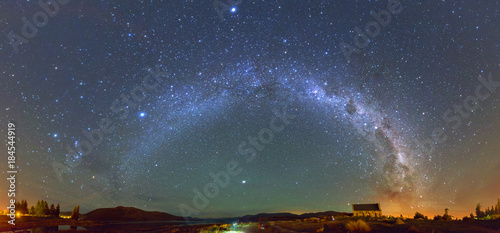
292 103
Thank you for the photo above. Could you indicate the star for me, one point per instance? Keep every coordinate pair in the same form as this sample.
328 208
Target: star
244 182
233 9
142 114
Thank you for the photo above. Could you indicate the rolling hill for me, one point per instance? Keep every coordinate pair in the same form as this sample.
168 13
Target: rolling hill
128 214
289 216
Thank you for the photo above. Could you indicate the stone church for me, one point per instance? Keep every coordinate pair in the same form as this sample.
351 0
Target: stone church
367 210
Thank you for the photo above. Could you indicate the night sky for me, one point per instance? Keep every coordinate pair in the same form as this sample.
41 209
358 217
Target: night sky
284 98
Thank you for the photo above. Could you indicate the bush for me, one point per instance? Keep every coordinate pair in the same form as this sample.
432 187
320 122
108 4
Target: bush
438 217
418 216
399 222
358 226
414 228
467 218
211 229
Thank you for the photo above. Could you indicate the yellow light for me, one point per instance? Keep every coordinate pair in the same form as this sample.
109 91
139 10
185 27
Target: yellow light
18 214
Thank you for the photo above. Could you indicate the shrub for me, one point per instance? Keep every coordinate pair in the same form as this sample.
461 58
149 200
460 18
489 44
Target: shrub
358 226
414 228
418 216
211 229
399 222
438 217
467 218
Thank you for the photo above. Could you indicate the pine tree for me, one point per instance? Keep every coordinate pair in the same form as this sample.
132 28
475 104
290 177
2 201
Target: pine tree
32 210
22 207
46 209
498 206
38 208
42 208
17 205
58 210
26 207
479 213
52 210
75 212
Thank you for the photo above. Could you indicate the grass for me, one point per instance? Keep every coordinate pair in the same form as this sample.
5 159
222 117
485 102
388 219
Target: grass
336 226
399 222
358 226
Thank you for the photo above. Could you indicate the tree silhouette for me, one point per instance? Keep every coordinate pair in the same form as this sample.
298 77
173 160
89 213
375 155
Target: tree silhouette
58 210
446 216
418 216
42 208
17 205
38 208
497 209
25 207
479 213
46 209
52 210
75 212
22 207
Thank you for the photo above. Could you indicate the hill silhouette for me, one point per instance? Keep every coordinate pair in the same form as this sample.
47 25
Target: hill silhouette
129 214
289 216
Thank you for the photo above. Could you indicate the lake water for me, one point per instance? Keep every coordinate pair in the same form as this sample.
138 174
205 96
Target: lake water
123 226
56 228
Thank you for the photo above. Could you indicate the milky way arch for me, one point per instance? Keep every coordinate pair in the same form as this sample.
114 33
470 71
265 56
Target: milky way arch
396 175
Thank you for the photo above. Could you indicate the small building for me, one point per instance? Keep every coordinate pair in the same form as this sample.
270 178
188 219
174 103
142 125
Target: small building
367 210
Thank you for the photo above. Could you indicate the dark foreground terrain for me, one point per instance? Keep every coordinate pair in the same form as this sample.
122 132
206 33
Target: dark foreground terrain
347 224
383 226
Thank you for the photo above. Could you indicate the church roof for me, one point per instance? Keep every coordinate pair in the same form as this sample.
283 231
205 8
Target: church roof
366 207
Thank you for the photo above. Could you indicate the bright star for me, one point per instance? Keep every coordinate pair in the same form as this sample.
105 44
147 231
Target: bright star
233 9
142 114
243 182
55 135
